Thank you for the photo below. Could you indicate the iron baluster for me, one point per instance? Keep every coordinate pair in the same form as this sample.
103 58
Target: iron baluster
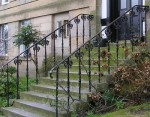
62 34
45 45
89 65
131 26
70 27
57 84
54 36
27 70
117 46
7 86
36 50
68 84
83 17
108 56
17 81
140 26
36 64
99 59
79 73
77 20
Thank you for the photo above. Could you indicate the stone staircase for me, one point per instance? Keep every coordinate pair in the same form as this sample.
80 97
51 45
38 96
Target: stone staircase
87 69
40 100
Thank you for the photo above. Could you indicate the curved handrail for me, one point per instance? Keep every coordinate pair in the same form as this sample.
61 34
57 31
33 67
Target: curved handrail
57 65
41 40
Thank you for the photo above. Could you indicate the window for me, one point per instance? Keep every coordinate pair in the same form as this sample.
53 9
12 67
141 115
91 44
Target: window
5 2
66 32
59 24
135 2
123 4
23 23
4 39
104 9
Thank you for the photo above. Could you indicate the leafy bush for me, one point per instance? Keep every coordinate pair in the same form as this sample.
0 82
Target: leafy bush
50 64
12 85
132 79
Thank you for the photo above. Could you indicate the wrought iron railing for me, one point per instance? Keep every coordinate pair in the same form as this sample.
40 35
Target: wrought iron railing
131 28
72 27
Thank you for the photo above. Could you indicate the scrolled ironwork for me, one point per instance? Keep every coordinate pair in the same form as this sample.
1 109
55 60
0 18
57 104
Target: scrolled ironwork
54 36
62 30
70 26
26 53
36 48
68 64
124 18
90 17
117 24
83 17
132 13
43 42
17 61
79 55
89 46
146 9
108 32
77 20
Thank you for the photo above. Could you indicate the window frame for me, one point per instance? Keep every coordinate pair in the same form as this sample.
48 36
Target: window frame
22 23
5 2
3 39
58 25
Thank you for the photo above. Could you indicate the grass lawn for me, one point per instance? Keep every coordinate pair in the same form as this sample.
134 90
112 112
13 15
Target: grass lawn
132 111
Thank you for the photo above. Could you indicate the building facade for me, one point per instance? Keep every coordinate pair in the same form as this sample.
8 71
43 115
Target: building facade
44 15
48 15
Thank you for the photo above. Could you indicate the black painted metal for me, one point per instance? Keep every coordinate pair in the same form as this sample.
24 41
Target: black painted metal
126 19
43 45
7 86
79 52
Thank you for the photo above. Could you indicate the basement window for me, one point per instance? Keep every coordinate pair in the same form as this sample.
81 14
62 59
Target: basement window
66 29
4 39
5 2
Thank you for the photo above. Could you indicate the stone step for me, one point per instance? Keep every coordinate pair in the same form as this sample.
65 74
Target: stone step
43 110
84 76
52 82
37 97
52 90
49 98
17 112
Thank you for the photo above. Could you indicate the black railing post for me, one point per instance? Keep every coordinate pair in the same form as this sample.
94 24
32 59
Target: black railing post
79 72
54 36
89 53
99 57
68 84
45 46
69 26
57 85
7 85
83 17
36 50
77 21
17 81
62 44
27 70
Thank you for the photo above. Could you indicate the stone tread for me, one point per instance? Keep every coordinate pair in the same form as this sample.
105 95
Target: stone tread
65 80
72 88
16 112
36 105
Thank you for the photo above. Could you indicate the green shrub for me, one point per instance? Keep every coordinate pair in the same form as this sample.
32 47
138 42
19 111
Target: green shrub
49 64
12 85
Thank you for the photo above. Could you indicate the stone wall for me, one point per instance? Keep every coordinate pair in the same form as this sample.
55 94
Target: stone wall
43 16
